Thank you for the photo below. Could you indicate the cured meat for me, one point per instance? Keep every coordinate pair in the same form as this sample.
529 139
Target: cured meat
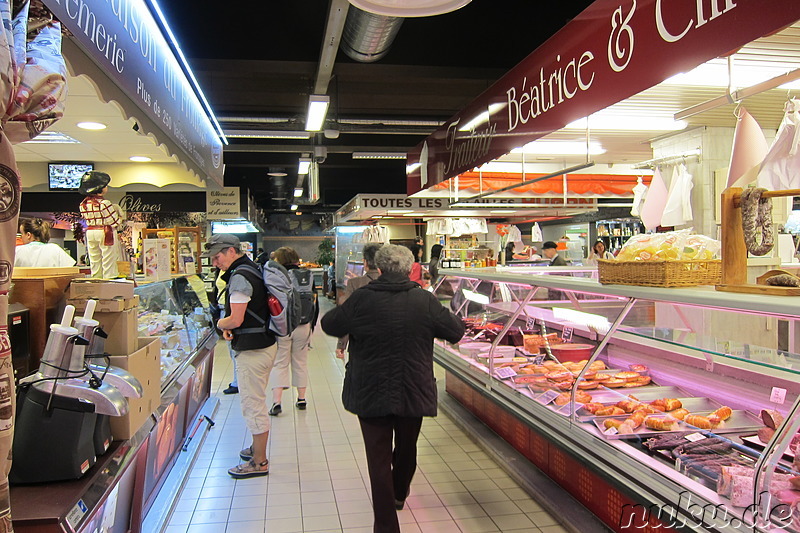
771 418
757 220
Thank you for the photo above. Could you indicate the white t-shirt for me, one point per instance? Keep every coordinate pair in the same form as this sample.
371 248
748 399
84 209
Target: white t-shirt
42 254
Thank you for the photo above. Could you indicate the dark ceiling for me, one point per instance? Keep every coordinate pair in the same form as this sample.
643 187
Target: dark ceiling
257 63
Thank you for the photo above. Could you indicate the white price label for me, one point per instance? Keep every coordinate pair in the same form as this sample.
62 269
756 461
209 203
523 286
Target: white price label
539 359
694 437
529 323
778 395
505 372
566 334
611 431
548 396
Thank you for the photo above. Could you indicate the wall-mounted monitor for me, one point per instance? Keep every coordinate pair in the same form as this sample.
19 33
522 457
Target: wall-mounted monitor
67 176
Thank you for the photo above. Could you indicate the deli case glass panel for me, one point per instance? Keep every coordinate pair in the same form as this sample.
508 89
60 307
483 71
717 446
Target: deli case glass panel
671 391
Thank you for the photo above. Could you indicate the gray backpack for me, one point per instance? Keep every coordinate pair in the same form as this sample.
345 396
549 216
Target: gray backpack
303 282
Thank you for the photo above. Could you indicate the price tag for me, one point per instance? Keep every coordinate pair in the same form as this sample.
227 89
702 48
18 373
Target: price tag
530 323
548 396
505 372
566 334
611 431
778 395
539 359
694 437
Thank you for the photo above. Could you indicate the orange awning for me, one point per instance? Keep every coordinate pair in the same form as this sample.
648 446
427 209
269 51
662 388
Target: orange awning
577 184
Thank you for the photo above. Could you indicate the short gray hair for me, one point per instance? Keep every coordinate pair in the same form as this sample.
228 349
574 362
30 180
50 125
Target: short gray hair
369 252
393 259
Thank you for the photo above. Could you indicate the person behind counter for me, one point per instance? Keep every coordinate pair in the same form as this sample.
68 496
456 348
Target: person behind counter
36 250
549 250
599 252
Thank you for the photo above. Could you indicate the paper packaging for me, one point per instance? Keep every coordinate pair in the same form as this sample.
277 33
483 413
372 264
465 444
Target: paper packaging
157 259
145 365
98 289
106 306
122 330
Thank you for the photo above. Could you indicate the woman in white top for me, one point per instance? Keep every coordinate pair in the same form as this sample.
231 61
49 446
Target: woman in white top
598 252
36 251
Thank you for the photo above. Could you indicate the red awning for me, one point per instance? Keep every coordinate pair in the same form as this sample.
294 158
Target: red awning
577 184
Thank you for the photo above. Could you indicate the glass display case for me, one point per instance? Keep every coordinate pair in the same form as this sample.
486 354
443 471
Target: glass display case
175 310
681 400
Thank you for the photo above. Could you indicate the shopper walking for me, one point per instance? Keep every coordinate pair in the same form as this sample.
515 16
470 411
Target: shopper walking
253 344
293 349
389 380
370 274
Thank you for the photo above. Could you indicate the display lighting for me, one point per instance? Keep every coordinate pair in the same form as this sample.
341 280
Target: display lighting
714 73
234 226
596 322
139 158
94 126
52 137
560 148
482 118
414 215
349 229
186 68
379 155
610 122
303 165
399 211
317 109
294 207
412 167
267 134
298 192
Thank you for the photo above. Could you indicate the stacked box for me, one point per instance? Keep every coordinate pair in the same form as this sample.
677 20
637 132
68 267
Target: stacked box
145 365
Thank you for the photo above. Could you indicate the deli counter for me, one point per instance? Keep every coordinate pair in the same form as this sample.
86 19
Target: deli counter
132 486
654 408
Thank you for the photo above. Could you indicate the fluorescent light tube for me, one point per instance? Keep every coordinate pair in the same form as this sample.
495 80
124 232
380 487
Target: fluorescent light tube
379 155
303 165
298 192
317 109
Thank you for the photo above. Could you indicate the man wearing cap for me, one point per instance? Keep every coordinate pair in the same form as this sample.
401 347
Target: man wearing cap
253 344
549 250
102 219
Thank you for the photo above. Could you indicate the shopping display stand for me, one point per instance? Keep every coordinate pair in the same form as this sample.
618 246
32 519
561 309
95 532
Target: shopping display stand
734 252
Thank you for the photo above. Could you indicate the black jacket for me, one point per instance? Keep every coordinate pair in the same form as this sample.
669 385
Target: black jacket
254 332
392 323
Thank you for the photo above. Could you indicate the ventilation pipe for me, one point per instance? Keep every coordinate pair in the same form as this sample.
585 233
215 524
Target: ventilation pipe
367 37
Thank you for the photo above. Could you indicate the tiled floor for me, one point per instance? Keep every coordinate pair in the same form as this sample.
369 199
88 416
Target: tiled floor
318 478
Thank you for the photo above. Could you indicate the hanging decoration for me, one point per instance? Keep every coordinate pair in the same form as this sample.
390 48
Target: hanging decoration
749 149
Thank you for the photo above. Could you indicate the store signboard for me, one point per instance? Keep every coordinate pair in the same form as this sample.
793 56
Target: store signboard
610 52
163 202
124 39
224 204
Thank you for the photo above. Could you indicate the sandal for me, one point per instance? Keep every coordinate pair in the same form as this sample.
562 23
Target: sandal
246 454
301 404
249 469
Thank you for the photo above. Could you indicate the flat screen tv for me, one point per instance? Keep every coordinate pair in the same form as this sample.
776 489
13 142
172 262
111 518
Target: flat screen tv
67 176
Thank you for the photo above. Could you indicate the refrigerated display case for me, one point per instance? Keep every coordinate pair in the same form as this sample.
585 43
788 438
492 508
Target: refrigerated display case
123 491
656 408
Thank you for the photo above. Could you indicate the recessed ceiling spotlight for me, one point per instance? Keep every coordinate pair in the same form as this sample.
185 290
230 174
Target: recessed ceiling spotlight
91 125
139 158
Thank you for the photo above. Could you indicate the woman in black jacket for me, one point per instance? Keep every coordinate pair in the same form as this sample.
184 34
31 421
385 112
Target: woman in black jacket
389 380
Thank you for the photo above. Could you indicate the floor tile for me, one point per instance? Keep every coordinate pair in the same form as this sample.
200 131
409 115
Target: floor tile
255 526
512 521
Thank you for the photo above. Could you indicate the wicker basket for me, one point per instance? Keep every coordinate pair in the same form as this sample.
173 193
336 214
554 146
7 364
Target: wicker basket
660 273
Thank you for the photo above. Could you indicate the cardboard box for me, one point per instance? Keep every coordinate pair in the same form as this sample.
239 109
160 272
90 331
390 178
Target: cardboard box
122 331
145 365
106 306
100 289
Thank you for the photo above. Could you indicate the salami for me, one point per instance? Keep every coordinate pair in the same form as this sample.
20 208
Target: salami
757 220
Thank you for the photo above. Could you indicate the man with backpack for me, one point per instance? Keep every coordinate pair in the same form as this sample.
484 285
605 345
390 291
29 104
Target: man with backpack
246 311
293 349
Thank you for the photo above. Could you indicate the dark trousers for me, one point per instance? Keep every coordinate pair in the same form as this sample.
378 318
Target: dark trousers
390 470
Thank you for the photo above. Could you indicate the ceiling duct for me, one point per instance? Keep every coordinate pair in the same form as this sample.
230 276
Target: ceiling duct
367 37
278 188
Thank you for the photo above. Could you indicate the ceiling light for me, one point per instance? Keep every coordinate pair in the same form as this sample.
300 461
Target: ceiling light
294 207
611 122
714 73
298 192
399 211
379 155
277 173
91 125
409 8
139 158
412 167
52 137
266 134
317 109
303 165
560 148
298 213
